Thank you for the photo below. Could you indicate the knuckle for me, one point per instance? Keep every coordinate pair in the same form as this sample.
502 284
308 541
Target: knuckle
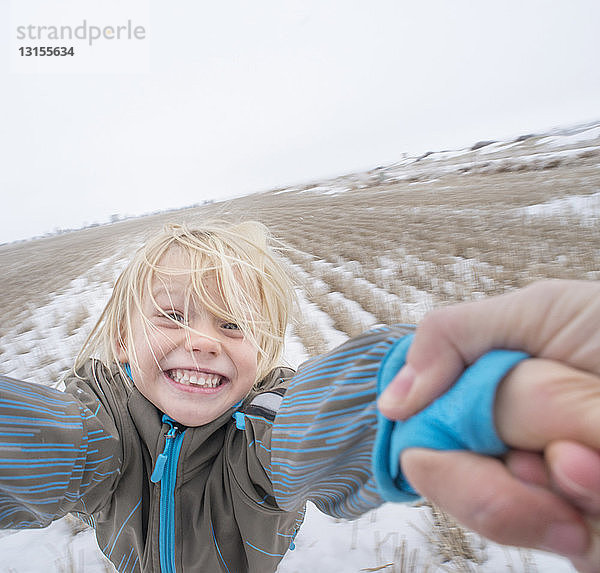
437 320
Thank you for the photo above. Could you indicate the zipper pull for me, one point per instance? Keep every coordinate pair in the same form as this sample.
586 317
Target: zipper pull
161 461
159 468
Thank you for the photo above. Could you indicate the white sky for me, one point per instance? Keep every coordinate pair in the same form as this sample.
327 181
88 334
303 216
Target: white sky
245 96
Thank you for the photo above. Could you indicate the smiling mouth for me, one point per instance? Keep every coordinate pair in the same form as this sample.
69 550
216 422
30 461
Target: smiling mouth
195 378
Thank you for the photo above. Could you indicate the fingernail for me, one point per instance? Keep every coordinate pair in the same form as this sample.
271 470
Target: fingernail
581 496
566 539
397 390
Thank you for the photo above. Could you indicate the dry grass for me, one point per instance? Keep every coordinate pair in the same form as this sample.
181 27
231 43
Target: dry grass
453 544
23 327
76 320
405 560
344 319
310 335
386 244
423 227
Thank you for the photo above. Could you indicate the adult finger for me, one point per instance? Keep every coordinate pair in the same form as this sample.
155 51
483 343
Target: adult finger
575 472
529 467
554 319
541 401
482 494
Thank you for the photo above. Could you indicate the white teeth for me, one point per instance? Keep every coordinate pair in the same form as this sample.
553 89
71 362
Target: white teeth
197 379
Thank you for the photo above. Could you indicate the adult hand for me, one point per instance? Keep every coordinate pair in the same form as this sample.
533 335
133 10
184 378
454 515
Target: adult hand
484 495
554 319
538 403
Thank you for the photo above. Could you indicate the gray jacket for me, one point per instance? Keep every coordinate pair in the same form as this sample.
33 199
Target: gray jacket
227 496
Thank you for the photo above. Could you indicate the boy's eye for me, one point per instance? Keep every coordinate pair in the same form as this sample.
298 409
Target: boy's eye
175 315
230 326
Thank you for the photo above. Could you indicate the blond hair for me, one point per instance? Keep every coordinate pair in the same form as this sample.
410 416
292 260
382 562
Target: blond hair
242 260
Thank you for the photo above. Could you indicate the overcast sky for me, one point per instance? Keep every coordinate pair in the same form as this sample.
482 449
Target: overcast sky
244 96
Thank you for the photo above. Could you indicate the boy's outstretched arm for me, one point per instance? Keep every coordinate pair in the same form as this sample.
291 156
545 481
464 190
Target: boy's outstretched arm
57 454
325 433
329 444
538 403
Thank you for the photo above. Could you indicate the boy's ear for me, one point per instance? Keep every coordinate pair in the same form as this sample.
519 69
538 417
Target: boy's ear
122 354
121 350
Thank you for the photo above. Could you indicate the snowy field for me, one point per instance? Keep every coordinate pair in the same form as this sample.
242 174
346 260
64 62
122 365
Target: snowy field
369 248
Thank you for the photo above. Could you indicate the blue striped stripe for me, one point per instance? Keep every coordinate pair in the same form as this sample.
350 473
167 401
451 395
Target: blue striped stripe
41 422
259 444
43 395
325 429
28 407
263 551
118 532
124 566
217 548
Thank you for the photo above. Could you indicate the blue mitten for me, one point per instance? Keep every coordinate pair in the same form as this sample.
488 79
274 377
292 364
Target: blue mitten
460 419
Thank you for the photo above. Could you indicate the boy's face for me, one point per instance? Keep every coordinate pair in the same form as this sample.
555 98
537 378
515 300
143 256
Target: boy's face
195 375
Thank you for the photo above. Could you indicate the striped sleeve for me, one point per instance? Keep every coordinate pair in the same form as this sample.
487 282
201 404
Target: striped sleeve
324 432
55 454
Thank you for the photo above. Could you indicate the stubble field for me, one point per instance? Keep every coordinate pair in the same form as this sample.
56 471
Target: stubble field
382 246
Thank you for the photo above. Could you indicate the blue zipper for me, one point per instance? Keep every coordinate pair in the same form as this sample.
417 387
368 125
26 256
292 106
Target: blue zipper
165 472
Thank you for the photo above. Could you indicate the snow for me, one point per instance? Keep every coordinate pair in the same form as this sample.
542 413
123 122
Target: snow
590 134
429 167
586 208
323 544
496 146
294 353
375 539
321 322
52 550
49 347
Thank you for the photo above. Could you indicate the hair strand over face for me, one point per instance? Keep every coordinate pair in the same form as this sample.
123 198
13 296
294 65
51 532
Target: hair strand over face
235 272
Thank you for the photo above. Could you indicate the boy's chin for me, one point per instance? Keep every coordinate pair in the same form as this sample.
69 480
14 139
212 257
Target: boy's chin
194 419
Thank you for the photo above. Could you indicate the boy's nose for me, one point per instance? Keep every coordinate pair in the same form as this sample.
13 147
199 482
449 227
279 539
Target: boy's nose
202 341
